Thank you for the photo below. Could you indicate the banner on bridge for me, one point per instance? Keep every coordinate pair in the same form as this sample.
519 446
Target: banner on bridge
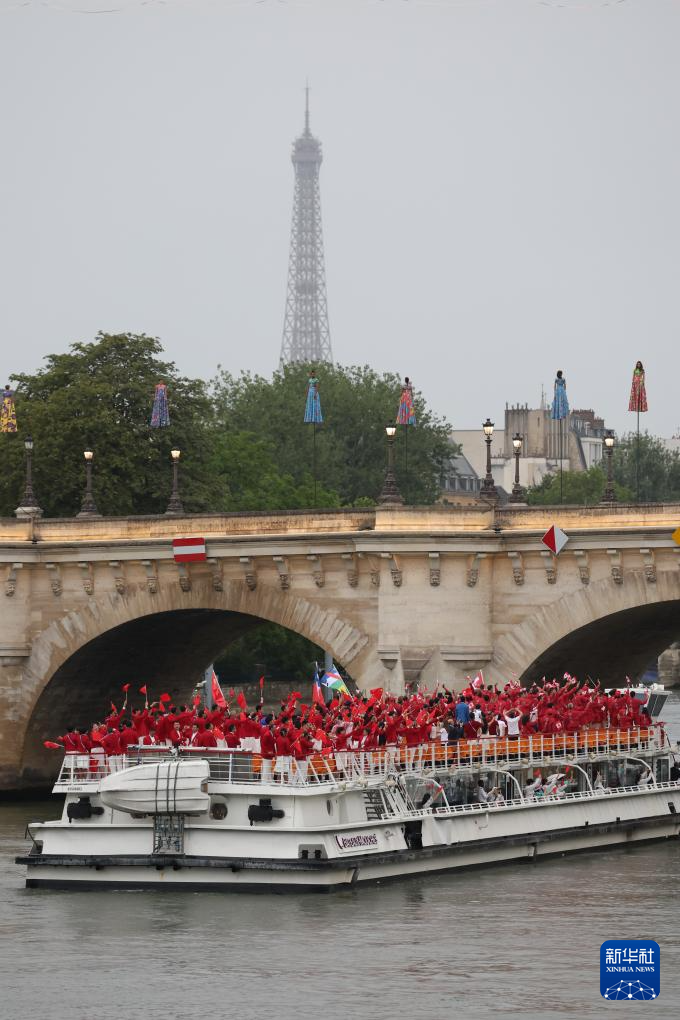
188 550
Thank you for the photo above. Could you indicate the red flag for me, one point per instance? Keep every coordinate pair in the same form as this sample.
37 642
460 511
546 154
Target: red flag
126 687
142 690
242 701
217 695
261 682
165 697
478 681
113 707
232 693
317 696
197 699
51 744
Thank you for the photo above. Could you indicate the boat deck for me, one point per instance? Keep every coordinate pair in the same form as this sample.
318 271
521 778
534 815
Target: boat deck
80 772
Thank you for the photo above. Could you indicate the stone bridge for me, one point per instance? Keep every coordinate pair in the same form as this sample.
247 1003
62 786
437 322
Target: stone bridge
397 596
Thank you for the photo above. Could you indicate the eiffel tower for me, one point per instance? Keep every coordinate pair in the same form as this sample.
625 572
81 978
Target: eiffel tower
306 337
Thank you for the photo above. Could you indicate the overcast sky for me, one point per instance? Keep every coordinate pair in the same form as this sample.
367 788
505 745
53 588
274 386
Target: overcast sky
499 188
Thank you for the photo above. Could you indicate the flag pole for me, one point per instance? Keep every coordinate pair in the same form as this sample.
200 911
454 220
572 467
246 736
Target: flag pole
561 420
314 463
406 458
637 458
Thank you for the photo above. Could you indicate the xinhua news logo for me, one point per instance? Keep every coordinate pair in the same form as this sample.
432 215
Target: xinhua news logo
630 969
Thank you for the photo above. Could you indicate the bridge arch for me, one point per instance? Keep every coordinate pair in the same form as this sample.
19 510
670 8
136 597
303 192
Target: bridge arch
604 630
78 663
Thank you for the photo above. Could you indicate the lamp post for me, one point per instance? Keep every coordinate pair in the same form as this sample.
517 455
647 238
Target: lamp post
29 504
488 489
175 504
609 494
89 507
390 495
517 495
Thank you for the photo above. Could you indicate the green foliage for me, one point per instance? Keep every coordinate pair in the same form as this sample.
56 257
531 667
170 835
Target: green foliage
579 488
99 395
271 650
244 444
659 468
357 404
244 464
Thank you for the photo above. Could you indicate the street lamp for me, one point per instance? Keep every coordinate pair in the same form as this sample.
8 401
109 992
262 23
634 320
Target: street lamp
89 507
517 495
29 504
175 504
390 495
488 489
609 494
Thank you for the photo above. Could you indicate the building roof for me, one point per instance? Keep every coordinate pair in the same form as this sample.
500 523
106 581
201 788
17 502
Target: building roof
462 466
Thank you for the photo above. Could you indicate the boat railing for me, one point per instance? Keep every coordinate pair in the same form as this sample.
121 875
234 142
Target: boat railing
532 800
232 765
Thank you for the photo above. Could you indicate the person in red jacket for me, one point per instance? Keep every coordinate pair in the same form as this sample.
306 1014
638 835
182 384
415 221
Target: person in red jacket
283 754
113 750
268 751
206 738
302 748
128 737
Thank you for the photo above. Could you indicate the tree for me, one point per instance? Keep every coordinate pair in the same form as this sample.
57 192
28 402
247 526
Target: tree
357 404
245 465
659 468
580 488
243 443
99 395
270 649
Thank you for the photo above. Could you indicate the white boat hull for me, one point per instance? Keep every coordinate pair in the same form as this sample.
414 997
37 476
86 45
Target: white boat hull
214 858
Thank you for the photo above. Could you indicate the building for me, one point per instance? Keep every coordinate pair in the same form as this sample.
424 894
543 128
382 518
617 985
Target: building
460 483
576 443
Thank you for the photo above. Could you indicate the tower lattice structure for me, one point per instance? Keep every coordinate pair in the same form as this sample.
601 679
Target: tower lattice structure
306 336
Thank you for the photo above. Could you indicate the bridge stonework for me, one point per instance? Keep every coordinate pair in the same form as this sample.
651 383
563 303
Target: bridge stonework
397 595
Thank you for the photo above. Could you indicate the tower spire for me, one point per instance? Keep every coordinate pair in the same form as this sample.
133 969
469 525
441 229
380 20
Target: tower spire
306 336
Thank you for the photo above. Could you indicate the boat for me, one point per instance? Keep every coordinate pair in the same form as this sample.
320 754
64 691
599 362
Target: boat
198 818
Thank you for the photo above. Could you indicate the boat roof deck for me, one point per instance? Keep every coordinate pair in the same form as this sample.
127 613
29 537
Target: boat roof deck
84 771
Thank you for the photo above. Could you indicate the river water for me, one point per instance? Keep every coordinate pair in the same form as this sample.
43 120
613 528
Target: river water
519 940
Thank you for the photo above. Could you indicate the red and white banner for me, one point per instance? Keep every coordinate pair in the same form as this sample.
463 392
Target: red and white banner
188 550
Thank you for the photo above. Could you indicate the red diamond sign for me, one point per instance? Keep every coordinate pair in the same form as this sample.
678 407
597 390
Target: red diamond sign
555 539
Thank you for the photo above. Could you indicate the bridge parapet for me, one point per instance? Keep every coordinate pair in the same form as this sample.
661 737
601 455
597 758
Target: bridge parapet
438 520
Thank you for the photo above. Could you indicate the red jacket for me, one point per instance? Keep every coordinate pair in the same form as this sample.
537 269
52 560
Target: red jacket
111 743
283 746
267 744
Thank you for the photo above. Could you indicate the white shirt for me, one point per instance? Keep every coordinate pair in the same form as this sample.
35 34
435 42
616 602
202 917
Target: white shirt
513 724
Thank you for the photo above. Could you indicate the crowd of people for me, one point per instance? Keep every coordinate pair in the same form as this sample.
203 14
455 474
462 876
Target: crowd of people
355 723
